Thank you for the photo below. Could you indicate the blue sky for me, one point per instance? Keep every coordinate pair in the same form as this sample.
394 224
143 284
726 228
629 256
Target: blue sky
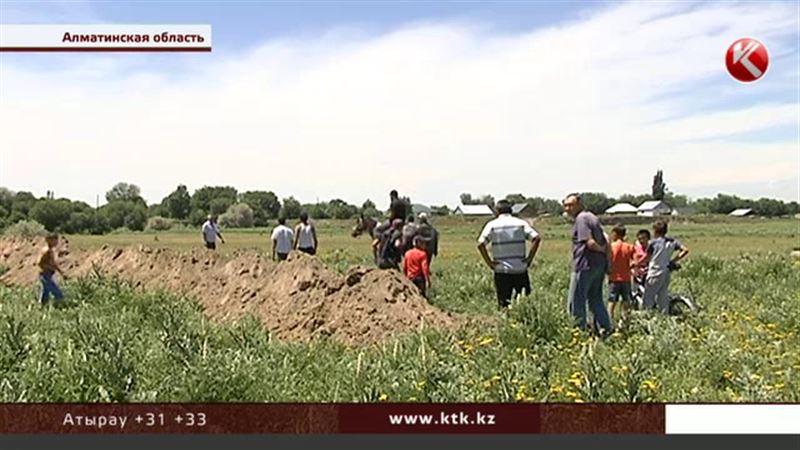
557 87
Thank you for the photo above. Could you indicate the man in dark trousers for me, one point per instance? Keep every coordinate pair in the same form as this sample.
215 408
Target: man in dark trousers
589 265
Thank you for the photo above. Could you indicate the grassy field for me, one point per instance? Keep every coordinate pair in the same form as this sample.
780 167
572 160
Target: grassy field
113 343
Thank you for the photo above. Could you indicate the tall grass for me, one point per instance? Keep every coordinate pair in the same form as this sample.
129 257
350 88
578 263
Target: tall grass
113 342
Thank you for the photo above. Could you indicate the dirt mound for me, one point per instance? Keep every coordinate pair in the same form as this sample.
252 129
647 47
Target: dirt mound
297 300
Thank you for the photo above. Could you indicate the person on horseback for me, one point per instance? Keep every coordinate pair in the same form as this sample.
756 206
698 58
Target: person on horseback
397 207
387 247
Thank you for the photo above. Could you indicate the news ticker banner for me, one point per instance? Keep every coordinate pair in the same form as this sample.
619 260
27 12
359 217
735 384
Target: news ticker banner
105 38
302 418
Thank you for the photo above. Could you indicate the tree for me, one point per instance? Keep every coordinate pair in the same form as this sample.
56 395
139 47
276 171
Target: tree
53 214
157 210
220 205
440 210
466 199
516 198
125 192
292 208
487 200
197 216
131 215
85 222
676 201
339 209
659 187
317 210
239 215
22 204
368 209
202 198
178 204
6 200
770 207
596 202
265 206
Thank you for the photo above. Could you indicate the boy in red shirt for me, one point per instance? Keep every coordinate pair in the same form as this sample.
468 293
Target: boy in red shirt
415 265
619 277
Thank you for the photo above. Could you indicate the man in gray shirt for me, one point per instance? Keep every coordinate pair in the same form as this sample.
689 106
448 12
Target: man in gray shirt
589 265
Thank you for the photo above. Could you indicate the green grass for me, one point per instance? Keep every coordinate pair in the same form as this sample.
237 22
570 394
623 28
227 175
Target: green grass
111 342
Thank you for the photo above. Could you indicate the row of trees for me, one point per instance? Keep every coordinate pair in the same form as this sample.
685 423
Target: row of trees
125 207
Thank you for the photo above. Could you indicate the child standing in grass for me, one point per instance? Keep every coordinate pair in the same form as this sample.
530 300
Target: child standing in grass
621 260
48 266
415 265
660 251
640 258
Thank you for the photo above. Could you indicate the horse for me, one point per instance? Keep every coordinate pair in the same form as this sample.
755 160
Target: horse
364 225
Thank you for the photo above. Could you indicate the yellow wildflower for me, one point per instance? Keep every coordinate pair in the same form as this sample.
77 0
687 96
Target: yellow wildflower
383 398
728 375
486 341
649 384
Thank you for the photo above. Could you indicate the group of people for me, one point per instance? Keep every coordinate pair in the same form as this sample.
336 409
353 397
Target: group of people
284 239
410 243
594 256
404 240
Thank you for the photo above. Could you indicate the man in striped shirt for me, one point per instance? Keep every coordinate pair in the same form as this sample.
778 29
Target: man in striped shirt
507 235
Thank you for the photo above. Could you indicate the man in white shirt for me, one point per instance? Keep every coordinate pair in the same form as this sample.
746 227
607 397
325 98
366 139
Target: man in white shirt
507 236
282 239
210 233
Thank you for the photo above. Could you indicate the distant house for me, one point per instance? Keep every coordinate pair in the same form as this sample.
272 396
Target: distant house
473 210
518 208
622 209
684 211
741 212
652 208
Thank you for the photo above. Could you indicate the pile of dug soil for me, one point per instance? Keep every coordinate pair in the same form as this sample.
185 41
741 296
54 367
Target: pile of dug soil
297 300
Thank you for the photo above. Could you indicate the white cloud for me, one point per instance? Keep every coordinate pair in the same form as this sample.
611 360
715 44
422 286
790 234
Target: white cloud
432 110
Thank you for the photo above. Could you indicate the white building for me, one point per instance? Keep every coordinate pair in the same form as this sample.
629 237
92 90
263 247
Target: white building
473 210
622 209
741 212
653 208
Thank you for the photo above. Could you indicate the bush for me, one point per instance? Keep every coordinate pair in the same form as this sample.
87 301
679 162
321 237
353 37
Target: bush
239 215
26 229
159 223
130 215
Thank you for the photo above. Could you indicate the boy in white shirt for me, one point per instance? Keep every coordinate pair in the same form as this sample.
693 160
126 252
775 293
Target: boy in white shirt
282 240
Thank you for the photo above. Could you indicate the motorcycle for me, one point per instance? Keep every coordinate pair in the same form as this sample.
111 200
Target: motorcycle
679 304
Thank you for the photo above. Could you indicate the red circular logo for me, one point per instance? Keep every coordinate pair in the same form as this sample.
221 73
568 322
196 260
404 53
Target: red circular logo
747 60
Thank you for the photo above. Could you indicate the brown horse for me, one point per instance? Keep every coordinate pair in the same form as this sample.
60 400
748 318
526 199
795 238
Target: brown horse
364 225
